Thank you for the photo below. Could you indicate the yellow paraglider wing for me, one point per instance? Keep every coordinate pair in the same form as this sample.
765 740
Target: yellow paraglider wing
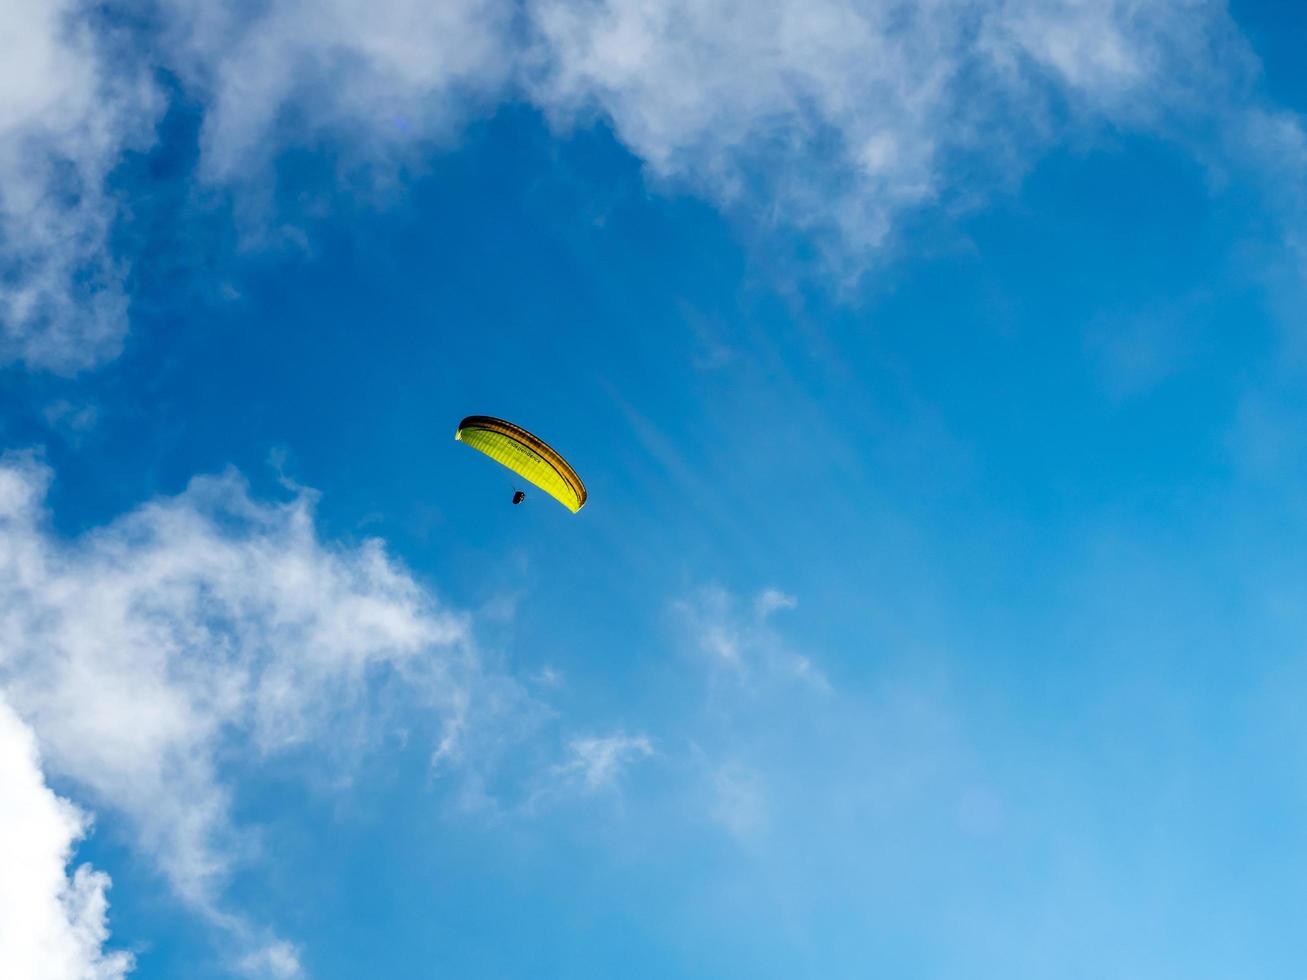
526 455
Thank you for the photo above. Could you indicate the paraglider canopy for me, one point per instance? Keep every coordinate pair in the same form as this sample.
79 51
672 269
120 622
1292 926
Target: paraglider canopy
529 456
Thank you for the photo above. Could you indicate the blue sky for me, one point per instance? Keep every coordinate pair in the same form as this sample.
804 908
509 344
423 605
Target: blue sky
936 373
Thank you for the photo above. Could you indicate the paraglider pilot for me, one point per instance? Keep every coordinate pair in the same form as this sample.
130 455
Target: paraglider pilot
527 456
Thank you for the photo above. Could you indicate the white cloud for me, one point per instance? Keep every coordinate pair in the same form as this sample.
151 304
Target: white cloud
67 116
773 600
201 628
744 101
375 76
596 762
279 961
52 926
838 118
75 419
377 79
737 636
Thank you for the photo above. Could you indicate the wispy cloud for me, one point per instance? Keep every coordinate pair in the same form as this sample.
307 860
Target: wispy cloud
53 925
738 635
773 600
74 419
597 762
778 753
278 961
202 624
68 115
379 78
835 118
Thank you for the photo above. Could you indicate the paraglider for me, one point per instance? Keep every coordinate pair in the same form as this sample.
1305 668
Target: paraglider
529 456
